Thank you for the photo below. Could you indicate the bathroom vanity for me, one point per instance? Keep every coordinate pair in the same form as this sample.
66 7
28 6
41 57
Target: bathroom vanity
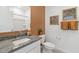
23 44
17 23
31 47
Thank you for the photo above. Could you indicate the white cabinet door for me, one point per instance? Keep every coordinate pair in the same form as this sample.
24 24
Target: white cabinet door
35 50
29 48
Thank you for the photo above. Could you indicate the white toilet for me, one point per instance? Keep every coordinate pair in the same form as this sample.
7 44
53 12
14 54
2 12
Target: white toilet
48 45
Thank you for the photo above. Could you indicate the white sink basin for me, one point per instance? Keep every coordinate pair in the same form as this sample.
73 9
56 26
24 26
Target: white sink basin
21 41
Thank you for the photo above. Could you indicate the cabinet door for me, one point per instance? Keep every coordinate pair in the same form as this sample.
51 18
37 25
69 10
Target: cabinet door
64 25
35 50
73 25
28 48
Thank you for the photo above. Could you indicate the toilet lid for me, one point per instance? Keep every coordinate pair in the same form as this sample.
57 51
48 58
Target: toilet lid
50 45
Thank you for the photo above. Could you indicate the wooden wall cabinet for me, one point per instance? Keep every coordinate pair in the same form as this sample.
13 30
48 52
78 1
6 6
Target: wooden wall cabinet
69 25
73 25
64 25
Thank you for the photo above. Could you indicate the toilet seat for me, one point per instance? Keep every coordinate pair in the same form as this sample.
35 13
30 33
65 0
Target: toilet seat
49 45
46 44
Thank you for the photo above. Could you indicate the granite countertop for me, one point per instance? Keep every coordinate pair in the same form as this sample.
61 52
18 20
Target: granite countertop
6 46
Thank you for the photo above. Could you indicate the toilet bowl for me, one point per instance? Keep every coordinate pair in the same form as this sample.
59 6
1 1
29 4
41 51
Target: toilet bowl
47 45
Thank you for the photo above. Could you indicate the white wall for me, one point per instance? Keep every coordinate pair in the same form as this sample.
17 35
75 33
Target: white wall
5 19
68 41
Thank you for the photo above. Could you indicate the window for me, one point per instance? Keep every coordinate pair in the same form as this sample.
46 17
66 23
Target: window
21 17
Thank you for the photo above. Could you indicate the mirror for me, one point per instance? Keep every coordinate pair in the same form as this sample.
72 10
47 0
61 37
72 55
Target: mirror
14 18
